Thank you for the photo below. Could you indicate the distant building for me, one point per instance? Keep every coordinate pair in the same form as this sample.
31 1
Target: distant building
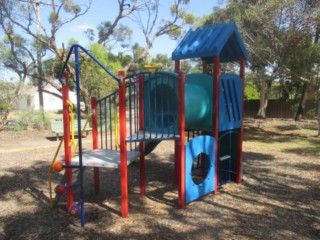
30 99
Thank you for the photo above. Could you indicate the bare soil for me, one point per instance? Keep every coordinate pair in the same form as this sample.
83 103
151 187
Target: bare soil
278 199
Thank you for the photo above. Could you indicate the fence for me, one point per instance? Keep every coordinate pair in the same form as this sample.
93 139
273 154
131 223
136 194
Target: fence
278 108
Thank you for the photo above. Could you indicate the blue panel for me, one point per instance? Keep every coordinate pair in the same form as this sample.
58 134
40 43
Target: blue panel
222 40
230 102
202 144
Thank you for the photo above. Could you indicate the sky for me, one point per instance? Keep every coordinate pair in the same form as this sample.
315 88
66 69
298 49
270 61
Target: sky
104 10
101 10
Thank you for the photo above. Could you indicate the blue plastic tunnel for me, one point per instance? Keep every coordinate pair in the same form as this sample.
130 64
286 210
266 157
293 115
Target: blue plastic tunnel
161 102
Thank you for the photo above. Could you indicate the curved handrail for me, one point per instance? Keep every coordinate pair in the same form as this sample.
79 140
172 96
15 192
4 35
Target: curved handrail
92 57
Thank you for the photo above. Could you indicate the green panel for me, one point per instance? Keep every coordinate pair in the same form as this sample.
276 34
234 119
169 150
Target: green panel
161 102
198 101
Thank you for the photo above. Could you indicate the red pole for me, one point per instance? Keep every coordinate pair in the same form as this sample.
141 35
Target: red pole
215 118
205 66
95 142
177 66
67 148
176 142
123 146
141 127
181 186
239 154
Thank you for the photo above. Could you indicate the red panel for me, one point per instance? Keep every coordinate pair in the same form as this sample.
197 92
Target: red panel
67 148
123 147
181 201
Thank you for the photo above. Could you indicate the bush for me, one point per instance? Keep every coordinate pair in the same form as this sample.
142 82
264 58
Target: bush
30 118
251 93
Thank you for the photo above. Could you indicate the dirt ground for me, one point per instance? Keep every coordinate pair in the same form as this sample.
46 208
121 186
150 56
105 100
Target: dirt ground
279 197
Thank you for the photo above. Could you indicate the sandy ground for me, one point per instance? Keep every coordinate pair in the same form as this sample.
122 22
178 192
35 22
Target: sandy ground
279 197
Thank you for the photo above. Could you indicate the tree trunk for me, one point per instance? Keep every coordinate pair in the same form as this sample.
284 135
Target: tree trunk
40 94
318 98
263 99
4 118
302 103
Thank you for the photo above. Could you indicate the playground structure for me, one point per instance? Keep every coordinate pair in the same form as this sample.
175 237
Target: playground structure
200 112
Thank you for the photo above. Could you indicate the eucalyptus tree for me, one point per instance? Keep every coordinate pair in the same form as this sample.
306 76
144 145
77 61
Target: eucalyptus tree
27 40
281 37
147 15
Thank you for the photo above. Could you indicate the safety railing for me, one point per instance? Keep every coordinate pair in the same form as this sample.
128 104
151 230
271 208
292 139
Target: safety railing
151 111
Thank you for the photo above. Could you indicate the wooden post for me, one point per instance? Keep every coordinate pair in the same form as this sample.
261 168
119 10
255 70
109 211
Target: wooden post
95 142
240 139
215 117
181 170
123 146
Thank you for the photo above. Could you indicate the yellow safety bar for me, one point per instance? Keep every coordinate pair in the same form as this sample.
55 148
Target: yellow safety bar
49 173
152 68
72 122
55 157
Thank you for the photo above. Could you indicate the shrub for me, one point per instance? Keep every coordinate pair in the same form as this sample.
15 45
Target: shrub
30 118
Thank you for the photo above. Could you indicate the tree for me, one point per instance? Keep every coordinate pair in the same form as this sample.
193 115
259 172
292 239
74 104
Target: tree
7 98
277 35
19 52
146 15
95 80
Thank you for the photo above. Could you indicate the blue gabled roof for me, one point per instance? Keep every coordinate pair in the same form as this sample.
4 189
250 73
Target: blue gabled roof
222 40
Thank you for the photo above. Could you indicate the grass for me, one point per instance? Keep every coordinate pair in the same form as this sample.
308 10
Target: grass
291 139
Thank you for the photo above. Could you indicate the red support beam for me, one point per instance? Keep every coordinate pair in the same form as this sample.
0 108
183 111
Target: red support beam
177 66
67 147
123 146
95 143
205 69
239 153
141 128
215 117
181 186
176 142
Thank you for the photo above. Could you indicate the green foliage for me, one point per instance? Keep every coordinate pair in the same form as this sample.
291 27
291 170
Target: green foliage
6 94
121 35
174 32
30 118
94 78
251 93
54 18
71 7
3 106
162 60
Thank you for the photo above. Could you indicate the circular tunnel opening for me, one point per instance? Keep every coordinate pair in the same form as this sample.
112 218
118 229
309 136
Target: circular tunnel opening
164 105
200 168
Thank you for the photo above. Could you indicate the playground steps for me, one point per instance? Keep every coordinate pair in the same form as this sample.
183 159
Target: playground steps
149 136
76 174
104 158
